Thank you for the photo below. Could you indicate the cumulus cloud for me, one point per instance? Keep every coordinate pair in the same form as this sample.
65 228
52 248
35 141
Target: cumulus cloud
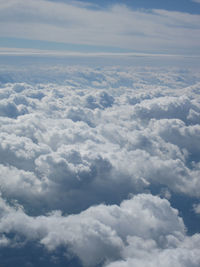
140 253
196 208
95 144
103 232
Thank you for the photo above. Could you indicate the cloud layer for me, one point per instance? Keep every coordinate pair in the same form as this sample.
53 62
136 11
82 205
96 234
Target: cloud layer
114 26
83 156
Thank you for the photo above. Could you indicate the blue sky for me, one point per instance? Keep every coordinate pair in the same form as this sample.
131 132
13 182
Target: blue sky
167 27
173 5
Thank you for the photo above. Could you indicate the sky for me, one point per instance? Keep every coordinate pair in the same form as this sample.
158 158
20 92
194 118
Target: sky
167 27
99 133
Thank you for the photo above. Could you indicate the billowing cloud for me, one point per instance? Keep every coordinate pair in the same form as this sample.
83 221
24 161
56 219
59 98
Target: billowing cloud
83 155
102 232
196 208
146 253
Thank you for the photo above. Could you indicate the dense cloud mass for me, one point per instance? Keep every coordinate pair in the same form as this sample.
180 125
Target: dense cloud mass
94 162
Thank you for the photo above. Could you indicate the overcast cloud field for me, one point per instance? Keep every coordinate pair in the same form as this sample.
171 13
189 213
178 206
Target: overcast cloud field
99 133
99 163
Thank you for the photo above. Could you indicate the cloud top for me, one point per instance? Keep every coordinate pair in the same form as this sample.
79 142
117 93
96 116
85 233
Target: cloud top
93 162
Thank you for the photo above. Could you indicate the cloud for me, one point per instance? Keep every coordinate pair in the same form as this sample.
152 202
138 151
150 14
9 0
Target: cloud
196 208
77 24
97 145
196 1
85 138
102 232
140 253
132 232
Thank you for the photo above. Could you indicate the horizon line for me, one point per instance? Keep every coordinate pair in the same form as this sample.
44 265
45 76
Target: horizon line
41 52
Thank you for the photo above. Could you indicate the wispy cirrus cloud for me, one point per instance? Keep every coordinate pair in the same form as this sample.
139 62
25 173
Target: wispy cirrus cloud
115 26
196 1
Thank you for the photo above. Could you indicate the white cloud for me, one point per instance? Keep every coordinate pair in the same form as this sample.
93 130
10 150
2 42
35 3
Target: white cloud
102 232
100 135
140 253
75 136
196 208
116 26
196 1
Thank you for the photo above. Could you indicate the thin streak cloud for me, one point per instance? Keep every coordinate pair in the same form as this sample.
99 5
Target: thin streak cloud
119 26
